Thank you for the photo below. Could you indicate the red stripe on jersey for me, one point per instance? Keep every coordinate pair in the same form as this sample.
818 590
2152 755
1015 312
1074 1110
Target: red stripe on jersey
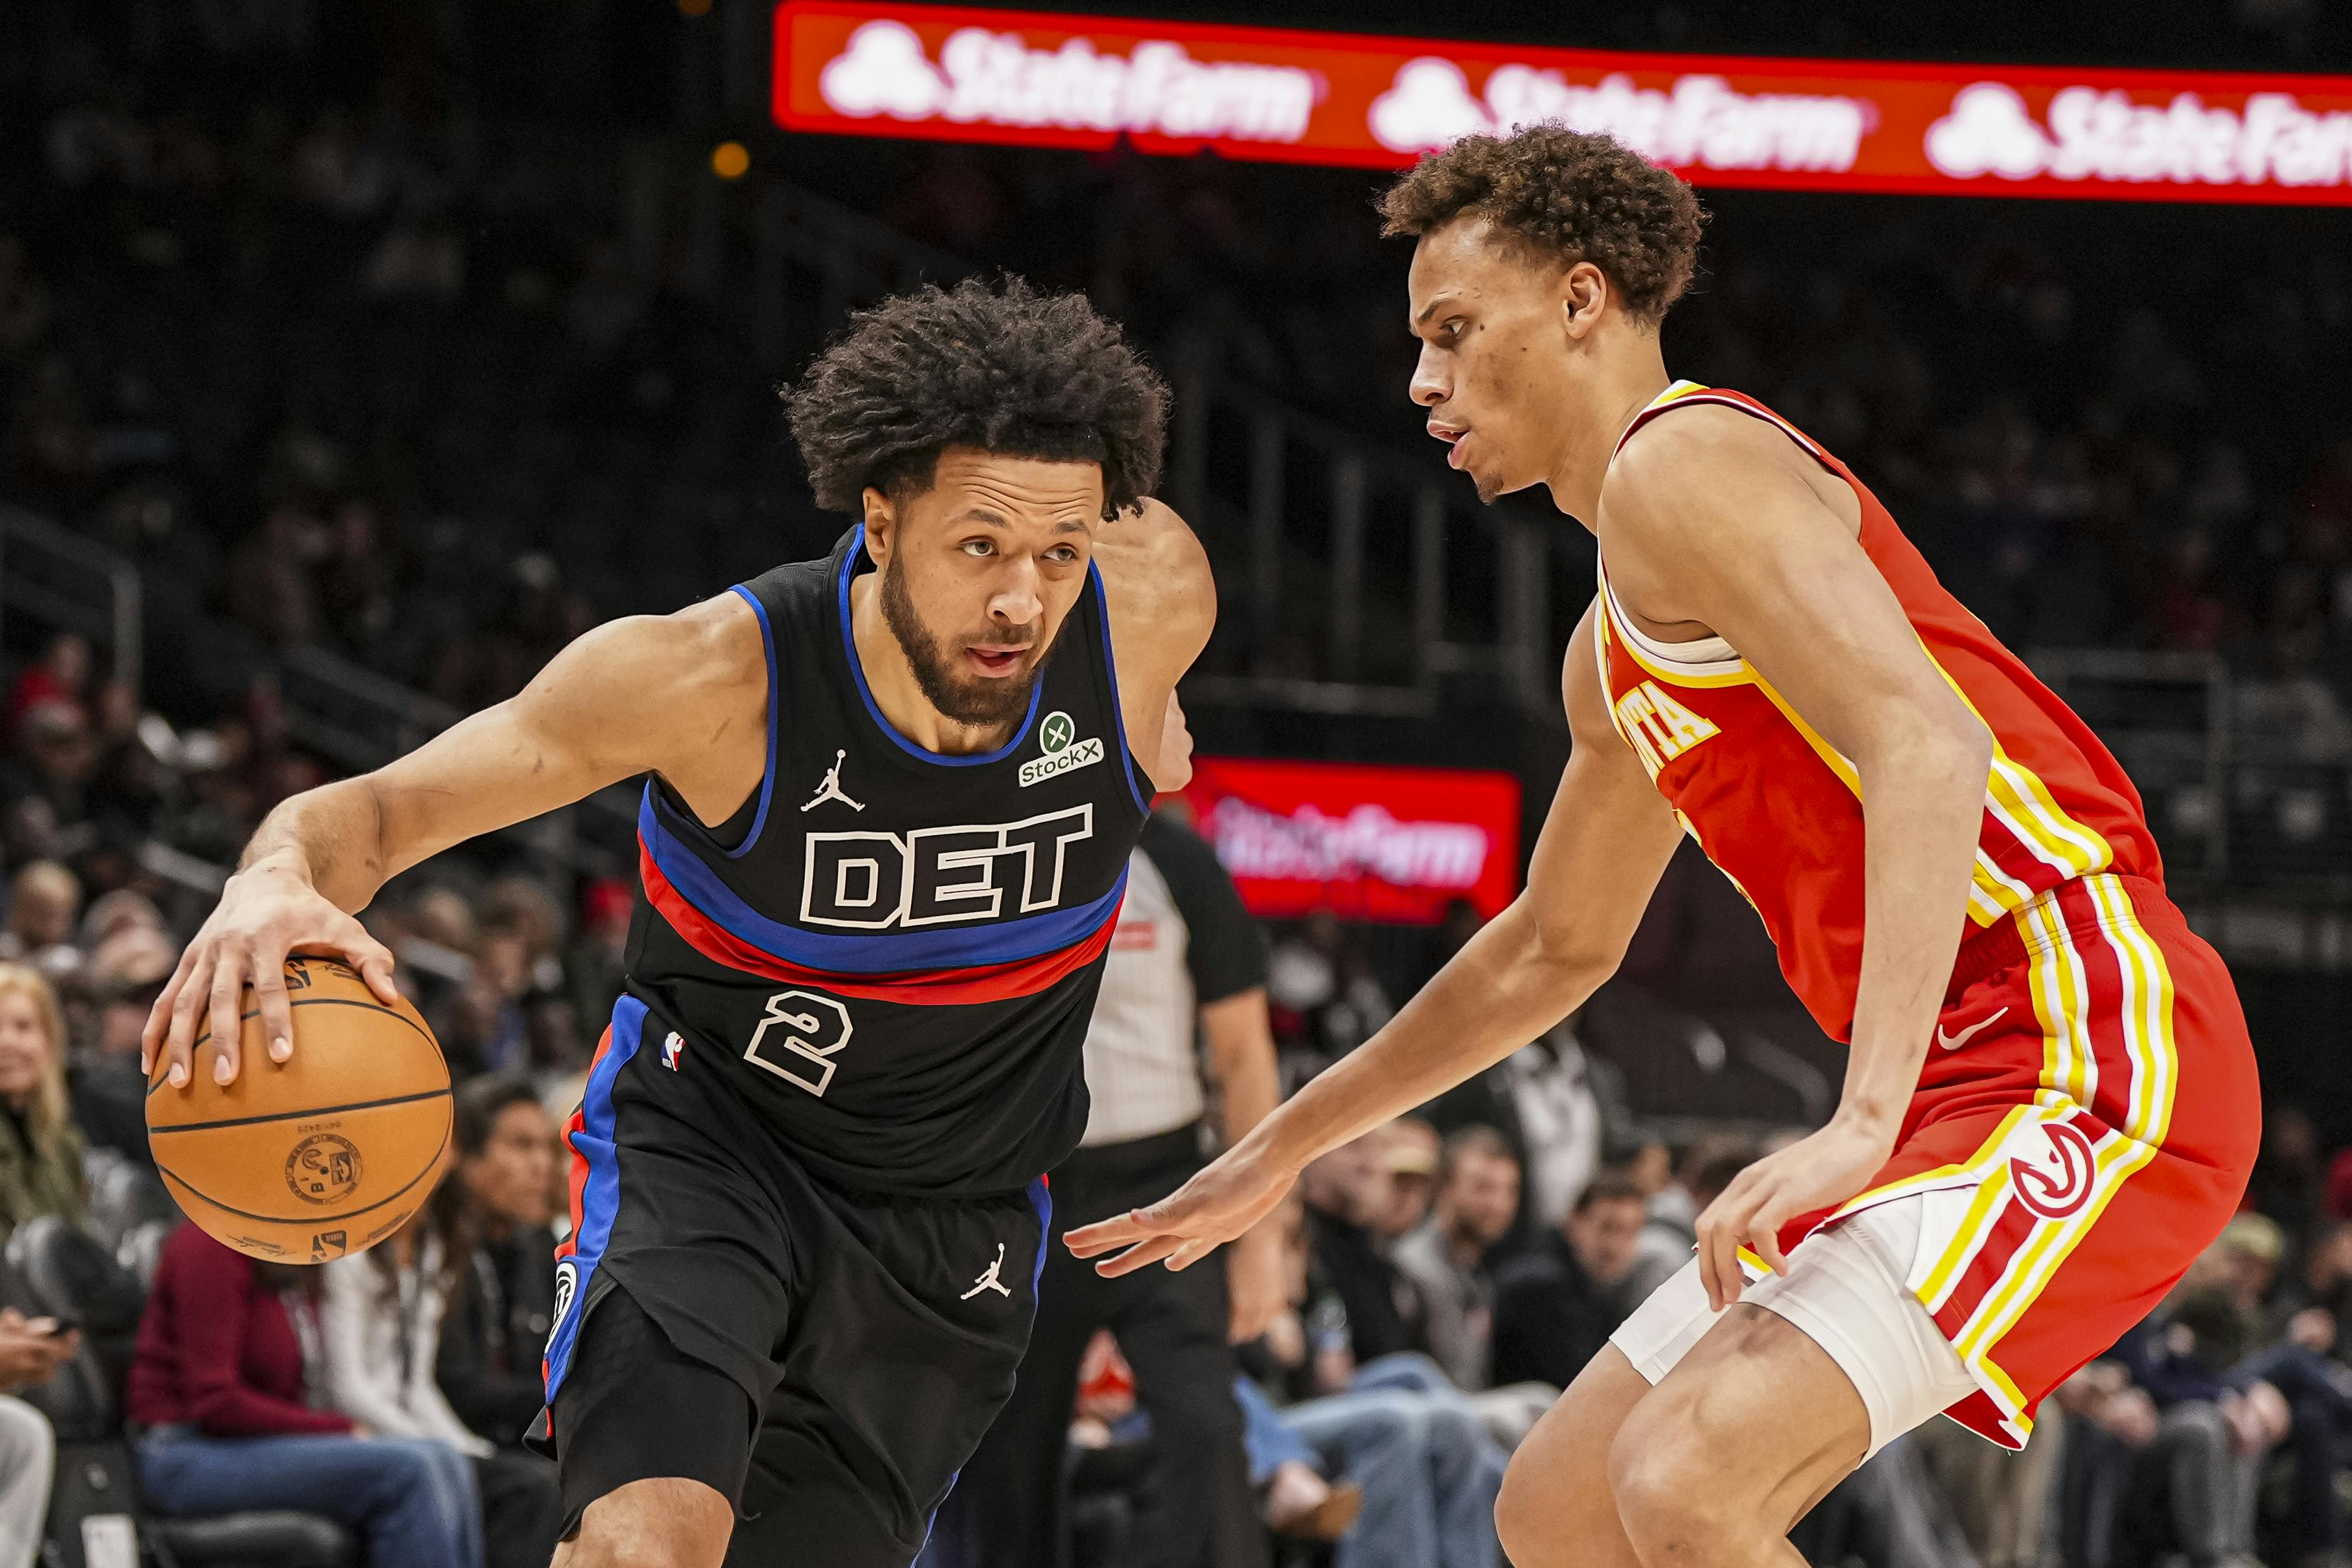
934 987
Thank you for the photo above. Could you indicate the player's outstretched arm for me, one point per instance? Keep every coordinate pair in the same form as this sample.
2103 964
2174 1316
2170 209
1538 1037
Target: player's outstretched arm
1605 842
1162 601
1715 518
684 693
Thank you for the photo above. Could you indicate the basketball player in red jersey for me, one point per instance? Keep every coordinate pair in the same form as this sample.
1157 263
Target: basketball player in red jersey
2050 1107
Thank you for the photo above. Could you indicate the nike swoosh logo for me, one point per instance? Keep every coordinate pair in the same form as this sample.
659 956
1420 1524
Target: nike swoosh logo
1954 1042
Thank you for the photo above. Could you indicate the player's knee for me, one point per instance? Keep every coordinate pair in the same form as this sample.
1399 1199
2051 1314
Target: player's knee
593 1549
661 1523
1535 1518
1665 1474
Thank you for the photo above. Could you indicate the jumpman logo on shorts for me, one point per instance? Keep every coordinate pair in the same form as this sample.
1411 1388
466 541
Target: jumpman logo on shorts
988 1279
830 789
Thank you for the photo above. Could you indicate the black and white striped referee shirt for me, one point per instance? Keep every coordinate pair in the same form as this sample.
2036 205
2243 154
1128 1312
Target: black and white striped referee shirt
1183 940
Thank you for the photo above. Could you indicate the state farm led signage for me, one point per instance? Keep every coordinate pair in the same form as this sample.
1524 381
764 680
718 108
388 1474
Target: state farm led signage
1020 77
1373 843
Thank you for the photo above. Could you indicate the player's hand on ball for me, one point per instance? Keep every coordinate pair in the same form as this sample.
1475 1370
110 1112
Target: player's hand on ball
1823 1168
264 913
1234 1193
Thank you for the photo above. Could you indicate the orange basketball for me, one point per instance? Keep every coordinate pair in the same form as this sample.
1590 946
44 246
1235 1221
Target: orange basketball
324 1155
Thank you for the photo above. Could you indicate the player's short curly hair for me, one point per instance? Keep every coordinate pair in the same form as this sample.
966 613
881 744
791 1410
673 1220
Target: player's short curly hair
1565 193
1001 367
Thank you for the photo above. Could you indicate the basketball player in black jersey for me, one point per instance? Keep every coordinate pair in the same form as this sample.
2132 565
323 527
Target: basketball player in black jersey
888 805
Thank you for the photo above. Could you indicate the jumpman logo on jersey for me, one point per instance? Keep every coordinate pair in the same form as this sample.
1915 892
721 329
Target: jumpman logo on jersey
830 788
988 1279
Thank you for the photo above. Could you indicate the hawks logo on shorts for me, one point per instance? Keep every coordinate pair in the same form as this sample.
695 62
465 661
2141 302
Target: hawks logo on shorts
2058 1187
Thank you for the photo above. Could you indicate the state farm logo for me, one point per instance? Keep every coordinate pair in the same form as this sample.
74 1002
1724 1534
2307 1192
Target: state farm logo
1308 845
1701 121
2095 135
996 78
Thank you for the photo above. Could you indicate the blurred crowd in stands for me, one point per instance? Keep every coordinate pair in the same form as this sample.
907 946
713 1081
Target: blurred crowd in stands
1447 1274
343 360
381 370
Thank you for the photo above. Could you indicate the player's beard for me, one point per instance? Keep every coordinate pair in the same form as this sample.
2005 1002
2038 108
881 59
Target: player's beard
974 700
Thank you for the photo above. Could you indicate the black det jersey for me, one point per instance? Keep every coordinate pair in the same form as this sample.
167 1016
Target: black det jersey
895 962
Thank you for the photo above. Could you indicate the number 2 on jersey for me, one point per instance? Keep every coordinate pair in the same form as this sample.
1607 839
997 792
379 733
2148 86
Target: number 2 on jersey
800 1029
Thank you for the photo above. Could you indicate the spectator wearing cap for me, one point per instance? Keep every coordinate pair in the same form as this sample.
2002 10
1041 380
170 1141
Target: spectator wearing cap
2249 1253
40 1147
1449 1257
2193 1481
1351 1193
2316 1391
1413 1151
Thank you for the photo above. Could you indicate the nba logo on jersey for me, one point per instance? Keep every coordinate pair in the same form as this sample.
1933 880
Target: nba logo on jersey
671 1046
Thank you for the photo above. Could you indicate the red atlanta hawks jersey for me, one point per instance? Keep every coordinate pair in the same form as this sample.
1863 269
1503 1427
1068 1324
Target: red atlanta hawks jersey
1776 807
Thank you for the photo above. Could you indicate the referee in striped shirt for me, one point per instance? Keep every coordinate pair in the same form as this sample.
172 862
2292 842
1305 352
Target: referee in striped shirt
1187 969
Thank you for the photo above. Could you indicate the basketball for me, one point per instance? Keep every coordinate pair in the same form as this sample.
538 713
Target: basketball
323 1155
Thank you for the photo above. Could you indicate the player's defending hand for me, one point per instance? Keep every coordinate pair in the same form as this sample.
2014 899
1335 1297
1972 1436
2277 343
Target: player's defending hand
1825 1167
266 913
1236 1190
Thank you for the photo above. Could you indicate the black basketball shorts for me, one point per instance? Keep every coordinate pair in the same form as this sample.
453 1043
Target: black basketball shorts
826 1361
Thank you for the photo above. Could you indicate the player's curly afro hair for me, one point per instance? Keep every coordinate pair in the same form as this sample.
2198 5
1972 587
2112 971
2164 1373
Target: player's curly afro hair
1002 368
1563 193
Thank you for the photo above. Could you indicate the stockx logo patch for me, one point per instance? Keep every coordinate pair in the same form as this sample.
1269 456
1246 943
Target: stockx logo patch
1061 750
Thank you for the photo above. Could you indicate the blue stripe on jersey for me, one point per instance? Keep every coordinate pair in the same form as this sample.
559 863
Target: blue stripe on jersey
1117 712
878 953
1041 1199
857 673
775 700
600 1197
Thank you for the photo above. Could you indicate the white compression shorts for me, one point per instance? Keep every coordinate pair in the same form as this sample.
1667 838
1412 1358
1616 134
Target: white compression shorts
1845 1289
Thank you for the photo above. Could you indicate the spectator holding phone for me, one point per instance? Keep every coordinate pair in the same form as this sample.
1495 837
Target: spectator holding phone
31 1351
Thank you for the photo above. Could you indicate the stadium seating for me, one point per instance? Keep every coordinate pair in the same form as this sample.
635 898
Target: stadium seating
67 1273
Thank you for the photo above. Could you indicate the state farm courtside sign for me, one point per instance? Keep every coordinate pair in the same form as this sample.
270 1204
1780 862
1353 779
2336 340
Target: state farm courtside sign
1373 843
1033 77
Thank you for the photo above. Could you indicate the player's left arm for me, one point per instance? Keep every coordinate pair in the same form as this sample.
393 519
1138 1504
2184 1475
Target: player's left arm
1715 517
1162 601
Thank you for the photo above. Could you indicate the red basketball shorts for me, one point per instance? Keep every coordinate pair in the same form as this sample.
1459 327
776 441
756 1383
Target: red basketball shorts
2083 1129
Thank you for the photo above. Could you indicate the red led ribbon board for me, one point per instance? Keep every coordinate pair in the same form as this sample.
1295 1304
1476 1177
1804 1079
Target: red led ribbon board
1041 79
1373 843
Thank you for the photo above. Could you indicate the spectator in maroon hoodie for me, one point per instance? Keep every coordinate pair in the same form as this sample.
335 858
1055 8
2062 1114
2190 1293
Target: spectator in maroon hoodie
225 1383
